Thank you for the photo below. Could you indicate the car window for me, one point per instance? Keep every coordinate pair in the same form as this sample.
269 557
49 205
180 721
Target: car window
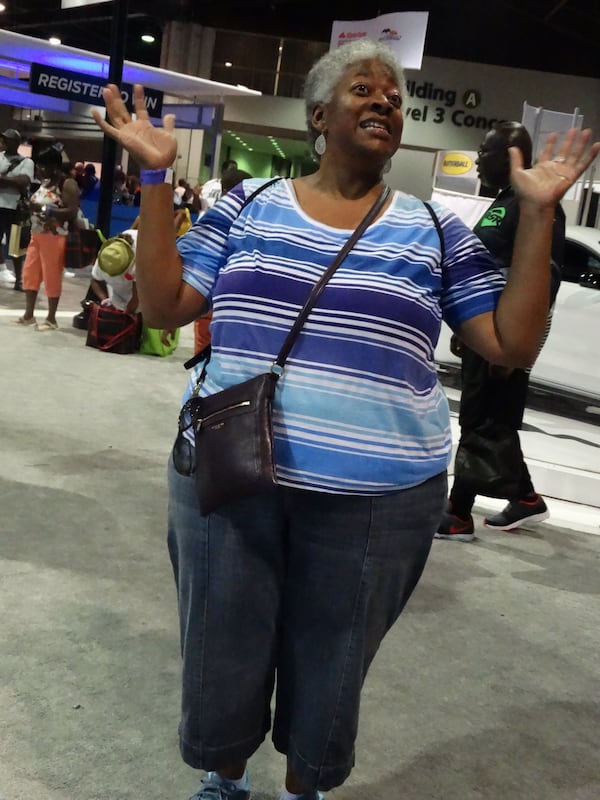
579 259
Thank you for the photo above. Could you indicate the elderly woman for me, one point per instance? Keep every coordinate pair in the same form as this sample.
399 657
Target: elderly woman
300 585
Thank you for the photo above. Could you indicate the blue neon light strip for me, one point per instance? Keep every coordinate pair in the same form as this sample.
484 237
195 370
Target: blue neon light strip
16 97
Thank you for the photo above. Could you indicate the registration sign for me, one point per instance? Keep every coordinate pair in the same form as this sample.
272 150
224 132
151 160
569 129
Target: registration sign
81 88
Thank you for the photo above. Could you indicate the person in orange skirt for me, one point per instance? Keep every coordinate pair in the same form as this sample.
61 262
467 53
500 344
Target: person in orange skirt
53 206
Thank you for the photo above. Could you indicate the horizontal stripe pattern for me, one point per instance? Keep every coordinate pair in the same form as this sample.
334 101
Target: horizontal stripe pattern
359 408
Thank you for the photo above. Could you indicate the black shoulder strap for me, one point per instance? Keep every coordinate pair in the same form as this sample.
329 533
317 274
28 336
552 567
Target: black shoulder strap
260 189
438 228
14 162
277 366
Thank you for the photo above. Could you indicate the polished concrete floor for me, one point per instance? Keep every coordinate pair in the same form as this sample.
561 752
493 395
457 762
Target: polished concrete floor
486 688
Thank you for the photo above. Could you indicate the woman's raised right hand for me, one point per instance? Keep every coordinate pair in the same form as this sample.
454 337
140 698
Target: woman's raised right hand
152 147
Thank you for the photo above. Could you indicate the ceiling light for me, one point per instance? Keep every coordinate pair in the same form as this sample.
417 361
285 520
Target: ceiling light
2 7
148 38
54 40
229 63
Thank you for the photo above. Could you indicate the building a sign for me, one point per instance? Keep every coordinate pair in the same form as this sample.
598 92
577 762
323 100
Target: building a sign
441 105
403 33
87 89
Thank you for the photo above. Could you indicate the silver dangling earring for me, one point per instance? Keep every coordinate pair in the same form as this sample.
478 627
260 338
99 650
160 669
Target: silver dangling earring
387 166
320 144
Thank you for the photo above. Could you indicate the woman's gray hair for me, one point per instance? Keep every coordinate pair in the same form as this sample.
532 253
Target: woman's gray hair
325 74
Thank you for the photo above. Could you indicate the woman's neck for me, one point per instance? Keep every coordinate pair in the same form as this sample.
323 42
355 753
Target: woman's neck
337 204
344 185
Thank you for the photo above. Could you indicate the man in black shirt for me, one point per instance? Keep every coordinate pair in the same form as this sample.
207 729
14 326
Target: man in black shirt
490 393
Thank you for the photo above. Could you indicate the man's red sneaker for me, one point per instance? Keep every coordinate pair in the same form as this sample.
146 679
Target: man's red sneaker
454 528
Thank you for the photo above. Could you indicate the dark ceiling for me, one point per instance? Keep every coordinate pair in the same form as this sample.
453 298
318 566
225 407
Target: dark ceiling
560 36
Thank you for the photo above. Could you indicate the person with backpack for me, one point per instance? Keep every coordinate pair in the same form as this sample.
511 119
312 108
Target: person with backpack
16 174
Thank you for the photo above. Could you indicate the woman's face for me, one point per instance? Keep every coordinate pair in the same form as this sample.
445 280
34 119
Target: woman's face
365 113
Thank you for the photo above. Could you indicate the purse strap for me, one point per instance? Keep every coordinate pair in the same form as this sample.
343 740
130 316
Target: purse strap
438 227
278 364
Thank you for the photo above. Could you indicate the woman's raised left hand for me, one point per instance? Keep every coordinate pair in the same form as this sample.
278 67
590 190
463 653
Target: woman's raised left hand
553 174
152 147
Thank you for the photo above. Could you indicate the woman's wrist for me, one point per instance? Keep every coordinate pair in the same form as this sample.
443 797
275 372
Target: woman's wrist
153 177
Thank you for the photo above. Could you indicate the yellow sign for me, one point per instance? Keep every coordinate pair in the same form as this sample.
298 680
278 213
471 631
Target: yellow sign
456 164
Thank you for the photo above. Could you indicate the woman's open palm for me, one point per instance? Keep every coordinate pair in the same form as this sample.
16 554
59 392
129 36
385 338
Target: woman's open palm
552 176
152 147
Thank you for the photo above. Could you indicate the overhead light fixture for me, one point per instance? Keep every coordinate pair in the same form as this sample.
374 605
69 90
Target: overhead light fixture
277 147
229 63
54 40
148 38
2 7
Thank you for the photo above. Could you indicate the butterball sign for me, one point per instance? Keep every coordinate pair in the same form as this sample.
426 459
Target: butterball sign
87 89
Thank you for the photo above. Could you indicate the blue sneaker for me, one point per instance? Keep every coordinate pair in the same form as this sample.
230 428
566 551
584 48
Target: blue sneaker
214 787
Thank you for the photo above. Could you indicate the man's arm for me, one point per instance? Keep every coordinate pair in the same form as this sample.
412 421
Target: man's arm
21 180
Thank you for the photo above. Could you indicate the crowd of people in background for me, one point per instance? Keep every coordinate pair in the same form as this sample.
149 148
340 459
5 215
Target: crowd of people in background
126 188
43 194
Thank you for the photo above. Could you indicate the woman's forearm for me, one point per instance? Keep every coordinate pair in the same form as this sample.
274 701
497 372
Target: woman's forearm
165 300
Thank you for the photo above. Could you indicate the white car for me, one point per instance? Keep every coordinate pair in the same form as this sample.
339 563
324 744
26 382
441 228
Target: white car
569 362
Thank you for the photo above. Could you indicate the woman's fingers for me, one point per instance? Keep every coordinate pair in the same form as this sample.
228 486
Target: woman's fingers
139 102
115 107
103 124
169 123
548 148
572 147
516 158
555 172
584 155
574 152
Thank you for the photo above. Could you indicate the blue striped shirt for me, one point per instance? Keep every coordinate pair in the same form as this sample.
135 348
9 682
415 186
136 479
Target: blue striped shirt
359 408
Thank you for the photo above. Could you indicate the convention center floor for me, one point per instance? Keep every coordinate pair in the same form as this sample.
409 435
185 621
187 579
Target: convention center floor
486 688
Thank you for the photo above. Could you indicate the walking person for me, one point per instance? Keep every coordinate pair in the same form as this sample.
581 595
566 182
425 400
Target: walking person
491 393
296 587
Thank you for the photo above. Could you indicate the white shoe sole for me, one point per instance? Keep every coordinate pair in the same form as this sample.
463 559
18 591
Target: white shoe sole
458 537
520 523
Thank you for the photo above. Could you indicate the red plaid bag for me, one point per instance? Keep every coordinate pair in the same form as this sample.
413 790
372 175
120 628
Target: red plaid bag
113 331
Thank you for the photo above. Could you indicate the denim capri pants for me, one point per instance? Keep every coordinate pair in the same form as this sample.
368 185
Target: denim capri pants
295 589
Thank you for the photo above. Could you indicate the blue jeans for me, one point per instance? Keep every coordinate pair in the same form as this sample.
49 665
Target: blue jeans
297 585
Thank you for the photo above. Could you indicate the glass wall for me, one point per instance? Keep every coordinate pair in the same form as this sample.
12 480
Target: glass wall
269 64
